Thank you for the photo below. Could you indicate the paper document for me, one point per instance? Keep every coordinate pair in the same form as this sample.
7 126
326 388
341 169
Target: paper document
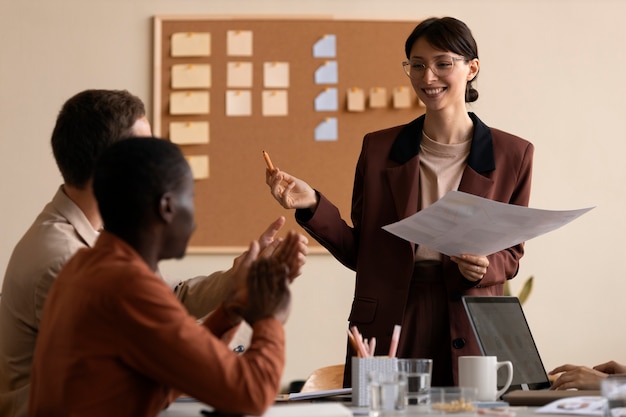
308 410
586 406
464 223
317 394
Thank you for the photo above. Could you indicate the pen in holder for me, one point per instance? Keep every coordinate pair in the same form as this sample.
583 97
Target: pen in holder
361 367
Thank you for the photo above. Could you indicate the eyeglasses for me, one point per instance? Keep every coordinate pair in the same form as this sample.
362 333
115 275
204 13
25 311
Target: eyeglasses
440 67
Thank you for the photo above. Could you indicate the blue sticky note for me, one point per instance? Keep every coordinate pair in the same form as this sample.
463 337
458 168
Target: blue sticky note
327 130
327 73
325 47
327 100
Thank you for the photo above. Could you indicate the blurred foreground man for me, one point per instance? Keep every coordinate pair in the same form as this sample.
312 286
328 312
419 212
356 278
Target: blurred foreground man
115 341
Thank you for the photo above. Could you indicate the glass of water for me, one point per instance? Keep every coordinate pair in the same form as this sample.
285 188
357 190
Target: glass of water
614 392
387 393
419 373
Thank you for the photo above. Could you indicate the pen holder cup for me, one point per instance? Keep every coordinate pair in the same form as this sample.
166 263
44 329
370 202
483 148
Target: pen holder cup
361 367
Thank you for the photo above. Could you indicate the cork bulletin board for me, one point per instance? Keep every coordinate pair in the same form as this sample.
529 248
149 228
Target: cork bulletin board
306 90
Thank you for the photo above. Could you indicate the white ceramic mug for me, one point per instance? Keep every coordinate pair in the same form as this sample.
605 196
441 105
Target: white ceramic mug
481 372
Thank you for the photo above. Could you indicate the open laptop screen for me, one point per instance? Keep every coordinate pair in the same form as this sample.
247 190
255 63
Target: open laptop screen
502 331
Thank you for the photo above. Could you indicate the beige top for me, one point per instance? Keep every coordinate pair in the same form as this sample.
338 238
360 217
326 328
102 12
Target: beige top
441 168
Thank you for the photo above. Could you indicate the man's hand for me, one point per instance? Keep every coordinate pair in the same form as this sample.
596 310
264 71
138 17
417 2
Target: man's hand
292 250
235 302
264 293
268 237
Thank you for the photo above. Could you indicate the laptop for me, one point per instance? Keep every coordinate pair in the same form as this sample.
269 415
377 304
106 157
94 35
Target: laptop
501 330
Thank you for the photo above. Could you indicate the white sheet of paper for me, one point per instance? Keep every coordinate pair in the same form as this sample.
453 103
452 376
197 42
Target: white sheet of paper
322 409
464 223
585 406
318 394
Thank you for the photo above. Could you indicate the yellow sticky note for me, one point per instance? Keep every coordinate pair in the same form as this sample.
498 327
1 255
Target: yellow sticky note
189 133
401 98
239 43
239 74
276 74
191 44
274 103
199 166
378 97
189 102
238 103
356 99
191 76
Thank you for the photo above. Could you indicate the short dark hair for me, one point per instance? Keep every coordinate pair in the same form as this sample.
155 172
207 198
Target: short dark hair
130 178
447 34
87 124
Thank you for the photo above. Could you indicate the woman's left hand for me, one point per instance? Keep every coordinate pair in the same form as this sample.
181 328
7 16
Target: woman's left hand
472 267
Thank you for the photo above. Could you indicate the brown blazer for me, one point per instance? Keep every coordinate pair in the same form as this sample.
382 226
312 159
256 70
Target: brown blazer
386 189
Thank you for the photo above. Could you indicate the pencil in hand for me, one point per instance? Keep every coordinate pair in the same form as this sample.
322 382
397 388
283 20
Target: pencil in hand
268 161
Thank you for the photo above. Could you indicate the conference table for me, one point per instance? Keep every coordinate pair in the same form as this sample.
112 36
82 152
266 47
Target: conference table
339 409
279 409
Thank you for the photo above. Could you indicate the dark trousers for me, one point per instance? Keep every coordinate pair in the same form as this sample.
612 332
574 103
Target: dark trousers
426 322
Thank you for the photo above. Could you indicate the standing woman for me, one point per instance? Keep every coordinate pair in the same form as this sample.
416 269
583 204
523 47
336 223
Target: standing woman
402 170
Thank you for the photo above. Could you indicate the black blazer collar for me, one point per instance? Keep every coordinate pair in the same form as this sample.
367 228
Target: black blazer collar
481 156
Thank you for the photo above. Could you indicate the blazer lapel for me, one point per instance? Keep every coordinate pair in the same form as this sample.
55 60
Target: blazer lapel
474 183
403 183
481 159
404 178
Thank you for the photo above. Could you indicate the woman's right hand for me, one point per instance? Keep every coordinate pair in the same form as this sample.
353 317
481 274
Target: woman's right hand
289 191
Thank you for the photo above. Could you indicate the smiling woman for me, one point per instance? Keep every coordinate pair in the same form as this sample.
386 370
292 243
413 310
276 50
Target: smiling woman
402 170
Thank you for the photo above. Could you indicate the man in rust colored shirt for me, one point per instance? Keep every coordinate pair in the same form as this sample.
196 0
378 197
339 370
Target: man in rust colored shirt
115 341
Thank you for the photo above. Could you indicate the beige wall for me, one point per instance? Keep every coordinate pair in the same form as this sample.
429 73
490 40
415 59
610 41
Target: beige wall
552 72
